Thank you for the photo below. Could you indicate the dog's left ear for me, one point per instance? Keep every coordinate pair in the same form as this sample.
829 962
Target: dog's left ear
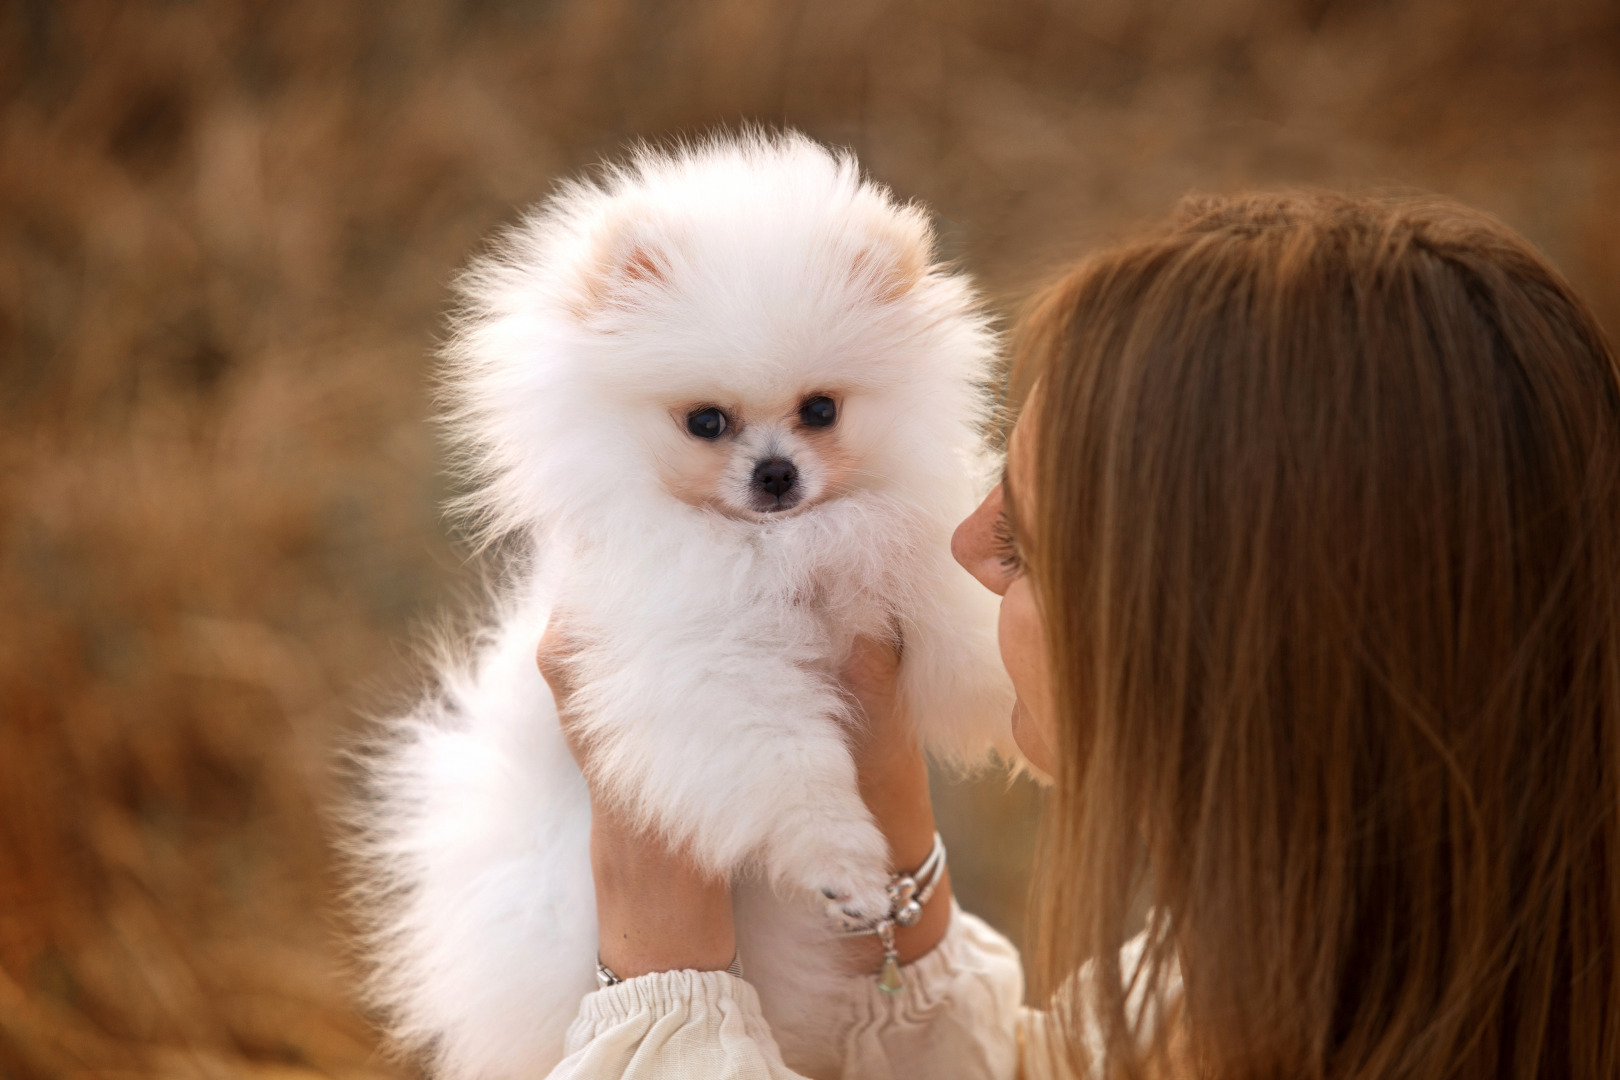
641 263
895 258
629 262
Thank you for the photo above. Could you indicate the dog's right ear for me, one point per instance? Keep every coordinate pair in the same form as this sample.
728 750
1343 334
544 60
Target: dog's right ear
896 255
629 263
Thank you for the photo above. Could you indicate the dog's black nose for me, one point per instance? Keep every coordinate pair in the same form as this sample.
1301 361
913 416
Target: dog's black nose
776 475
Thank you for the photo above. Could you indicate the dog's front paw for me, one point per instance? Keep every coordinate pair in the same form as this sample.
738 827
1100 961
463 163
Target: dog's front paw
850 913
854 882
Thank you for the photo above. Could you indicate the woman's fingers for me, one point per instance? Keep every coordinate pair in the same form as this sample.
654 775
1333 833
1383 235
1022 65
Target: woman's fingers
556 647
873 667
871 674
554 656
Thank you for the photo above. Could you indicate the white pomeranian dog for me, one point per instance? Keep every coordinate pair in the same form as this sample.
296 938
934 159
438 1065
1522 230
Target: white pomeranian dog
732 409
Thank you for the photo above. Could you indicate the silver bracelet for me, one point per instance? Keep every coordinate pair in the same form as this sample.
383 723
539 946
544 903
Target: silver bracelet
606 978
907 895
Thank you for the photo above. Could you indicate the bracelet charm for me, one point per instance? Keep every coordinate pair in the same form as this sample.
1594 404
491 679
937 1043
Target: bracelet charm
889 980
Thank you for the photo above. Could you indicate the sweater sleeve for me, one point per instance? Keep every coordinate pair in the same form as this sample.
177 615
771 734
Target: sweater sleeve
957 1015
672 1025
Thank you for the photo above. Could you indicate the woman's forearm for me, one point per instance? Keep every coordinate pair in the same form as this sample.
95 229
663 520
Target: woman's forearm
894 784
655 910
893 778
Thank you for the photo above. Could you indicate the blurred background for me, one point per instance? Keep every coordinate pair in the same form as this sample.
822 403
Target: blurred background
226 231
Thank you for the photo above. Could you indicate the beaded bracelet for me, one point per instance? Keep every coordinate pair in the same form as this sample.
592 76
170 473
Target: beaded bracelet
907 895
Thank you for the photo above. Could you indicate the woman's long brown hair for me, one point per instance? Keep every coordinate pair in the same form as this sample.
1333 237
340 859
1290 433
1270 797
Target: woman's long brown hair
1325 525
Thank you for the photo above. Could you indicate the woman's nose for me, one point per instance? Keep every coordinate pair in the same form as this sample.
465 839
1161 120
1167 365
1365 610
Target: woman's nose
974 545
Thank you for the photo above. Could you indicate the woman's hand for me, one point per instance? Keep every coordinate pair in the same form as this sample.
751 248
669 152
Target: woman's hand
656 910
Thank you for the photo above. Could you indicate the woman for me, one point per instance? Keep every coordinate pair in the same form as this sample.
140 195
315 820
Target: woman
1309 550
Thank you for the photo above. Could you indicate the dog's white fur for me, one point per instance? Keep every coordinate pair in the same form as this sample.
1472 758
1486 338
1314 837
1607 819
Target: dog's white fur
749 272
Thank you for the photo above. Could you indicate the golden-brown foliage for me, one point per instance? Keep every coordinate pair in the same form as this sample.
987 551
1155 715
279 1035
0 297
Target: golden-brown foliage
225 232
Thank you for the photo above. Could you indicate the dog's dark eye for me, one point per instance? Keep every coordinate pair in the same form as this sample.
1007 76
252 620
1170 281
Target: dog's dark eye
707 423
818 412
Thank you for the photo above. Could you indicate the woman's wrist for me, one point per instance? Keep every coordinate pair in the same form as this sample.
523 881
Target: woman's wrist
894 785
655 909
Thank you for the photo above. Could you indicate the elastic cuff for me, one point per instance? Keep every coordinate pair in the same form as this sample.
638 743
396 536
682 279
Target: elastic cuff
664 992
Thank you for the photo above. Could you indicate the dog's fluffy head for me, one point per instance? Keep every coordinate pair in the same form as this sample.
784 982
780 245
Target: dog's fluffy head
745 326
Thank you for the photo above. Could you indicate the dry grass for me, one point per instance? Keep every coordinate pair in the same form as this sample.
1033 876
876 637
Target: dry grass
225 232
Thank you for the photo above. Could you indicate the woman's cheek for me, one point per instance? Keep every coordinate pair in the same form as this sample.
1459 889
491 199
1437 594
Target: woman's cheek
1023 652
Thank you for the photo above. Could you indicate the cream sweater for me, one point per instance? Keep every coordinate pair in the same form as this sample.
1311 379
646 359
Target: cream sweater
960 1016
